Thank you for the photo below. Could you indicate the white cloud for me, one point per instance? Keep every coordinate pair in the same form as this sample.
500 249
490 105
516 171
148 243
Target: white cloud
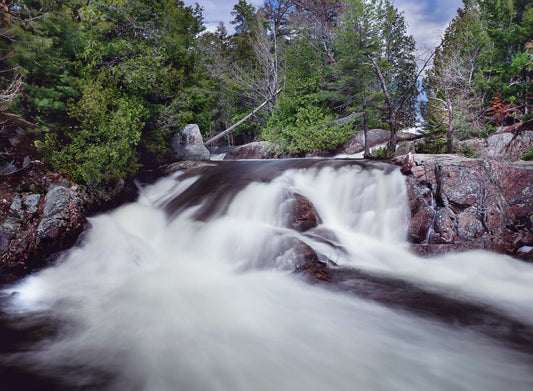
427 19
216 11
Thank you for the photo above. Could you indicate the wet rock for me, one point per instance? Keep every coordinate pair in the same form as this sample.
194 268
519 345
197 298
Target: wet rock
254 150
443 226
304 215
525 253
320 153
309 265
188 144
420 223
479 204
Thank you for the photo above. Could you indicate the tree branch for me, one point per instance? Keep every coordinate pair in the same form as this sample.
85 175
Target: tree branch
233 127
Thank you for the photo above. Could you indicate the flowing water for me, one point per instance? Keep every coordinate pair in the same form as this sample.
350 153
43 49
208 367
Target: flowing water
192 288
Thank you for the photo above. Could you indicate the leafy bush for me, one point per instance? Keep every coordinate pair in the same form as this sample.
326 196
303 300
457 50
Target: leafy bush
311 128
468 150
382 153
528 155
102 149
487 131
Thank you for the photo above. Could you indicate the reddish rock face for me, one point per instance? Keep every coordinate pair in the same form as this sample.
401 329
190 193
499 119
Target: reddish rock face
477 204
421 222
309 266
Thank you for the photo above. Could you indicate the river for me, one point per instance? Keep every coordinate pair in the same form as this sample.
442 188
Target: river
192 288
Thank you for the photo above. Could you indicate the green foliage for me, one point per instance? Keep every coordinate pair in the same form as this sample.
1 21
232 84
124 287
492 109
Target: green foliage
382 153
528 155
100 78
434 140
468 150
487 131
483 58
309 128
103 148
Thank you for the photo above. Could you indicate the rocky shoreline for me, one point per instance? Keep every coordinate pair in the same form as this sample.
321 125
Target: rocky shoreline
456 204
43 213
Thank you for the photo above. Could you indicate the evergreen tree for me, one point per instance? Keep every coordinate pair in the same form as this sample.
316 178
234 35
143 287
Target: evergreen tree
358 38
98 76
395 69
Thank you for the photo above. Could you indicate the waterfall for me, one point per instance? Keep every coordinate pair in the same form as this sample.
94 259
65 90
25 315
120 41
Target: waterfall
192 288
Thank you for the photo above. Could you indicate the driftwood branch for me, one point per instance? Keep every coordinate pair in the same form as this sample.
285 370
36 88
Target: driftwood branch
343 120
233 127
17 119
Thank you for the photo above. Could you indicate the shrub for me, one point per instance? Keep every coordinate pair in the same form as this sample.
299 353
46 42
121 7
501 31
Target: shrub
468 150
103 148
382 153
528 155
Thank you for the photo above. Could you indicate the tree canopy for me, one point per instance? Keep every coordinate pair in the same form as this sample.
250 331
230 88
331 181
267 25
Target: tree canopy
108 82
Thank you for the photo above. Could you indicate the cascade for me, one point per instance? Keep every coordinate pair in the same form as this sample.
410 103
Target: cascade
192 287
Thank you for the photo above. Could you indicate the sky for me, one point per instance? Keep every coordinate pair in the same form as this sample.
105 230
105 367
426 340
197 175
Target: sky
427 19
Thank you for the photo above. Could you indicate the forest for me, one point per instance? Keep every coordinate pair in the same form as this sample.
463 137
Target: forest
102 85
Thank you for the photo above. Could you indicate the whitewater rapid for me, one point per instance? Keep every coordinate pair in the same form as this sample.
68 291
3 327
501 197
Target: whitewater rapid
199 294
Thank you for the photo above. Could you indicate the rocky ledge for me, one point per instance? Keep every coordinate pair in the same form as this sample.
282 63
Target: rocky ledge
42 213
461 204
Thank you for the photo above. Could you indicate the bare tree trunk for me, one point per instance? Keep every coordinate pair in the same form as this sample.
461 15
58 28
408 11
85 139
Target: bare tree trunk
233 127
449 131
391 145
527 79
365 117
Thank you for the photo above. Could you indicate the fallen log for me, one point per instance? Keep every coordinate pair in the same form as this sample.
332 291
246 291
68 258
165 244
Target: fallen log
233 127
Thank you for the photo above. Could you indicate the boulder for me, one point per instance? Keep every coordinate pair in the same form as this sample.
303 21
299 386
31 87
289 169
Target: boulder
61 215
189 145
309 266
304 215
254 150
459 204
356 143
508 146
